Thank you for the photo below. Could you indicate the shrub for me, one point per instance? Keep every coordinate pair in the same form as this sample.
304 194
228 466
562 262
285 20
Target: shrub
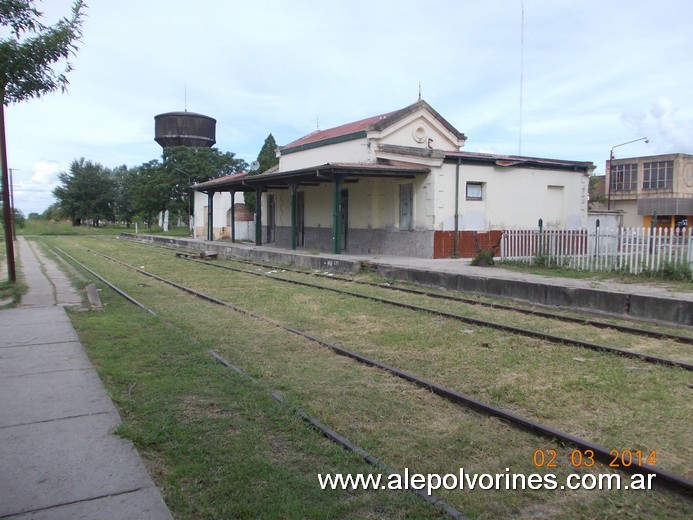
672 271
483 258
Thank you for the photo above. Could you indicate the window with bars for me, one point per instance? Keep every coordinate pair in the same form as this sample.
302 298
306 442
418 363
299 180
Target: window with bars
658 175
624 177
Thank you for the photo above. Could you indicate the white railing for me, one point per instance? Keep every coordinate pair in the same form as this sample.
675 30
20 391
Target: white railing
624 249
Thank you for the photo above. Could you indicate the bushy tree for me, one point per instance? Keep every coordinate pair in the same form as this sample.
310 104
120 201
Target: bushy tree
19 218
184 166
125 182
52 212
152 192
267 159
33 49
86 192
28 57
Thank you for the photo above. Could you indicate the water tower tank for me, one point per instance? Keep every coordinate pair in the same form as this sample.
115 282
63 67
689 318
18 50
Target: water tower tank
184 129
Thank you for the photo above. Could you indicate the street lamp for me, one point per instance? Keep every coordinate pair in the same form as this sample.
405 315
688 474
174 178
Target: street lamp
188 192
611 160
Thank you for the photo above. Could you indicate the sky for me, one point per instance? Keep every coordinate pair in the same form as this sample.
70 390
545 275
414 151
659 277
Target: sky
544 78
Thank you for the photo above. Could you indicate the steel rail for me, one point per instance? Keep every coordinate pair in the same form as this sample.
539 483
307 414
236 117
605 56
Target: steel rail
664 478
561 340
338 438
109 284
471 301
325 430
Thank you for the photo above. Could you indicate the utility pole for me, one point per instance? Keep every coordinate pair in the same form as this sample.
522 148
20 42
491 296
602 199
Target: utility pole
6 207
14 217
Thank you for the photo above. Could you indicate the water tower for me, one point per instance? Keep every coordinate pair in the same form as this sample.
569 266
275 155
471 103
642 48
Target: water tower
184 129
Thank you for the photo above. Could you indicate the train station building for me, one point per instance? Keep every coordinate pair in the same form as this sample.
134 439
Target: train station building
396 184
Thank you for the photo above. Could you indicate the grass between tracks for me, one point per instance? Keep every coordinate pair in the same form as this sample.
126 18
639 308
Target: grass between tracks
218 445
617 402
220 448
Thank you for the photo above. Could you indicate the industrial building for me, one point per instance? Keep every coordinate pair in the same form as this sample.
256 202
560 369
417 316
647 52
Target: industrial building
652 190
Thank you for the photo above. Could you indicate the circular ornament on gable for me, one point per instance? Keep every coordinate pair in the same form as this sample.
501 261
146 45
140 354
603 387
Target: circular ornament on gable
419 134
688 175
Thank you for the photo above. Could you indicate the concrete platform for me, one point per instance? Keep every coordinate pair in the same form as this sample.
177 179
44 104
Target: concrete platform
638 301
59 457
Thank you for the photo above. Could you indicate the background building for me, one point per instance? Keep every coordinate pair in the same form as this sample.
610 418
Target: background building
655 188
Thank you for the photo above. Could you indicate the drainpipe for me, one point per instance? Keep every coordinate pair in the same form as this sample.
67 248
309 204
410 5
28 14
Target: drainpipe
258 216
456 238
210 215
292 191
337 215
233 216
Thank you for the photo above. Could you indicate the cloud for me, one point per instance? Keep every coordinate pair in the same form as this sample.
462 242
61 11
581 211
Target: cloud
676 132
45 174
33 192
668 129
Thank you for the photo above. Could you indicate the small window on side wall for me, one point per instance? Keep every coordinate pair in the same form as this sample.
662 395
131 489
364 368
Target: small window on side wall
475 191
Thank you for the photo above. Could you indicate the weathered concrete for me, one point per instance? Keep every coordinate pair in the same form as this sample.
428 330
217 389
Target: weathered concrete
48 284
93 297
622 300
414 243
59 457
664 308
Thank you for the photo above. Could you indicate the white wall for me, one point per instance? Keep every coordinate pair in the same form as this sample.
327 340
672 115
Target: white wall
511 198
221 205
373 203
356 151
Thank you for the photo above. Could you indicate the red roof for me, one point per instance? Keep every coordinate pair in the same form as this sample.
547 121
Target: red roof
377 123
338 131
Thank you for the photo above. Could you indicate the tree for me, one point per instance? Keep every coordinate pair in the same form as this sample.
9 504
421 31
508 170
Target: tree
19 218
125 182
267 159
52 212
26 71
185 166
87 192
151 194
596 191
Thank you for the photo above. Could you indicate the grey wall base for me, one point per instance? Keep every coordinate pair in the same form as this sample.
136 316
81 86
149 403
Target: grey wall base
666 310
418 244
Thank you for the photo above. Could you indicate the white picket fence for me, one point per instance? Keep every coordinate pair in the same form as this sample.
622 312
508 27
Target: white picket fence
624 249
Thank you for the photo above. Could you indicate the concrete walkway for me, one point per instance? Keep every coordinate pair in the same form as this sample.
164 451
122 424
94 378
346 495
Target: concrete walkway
58 456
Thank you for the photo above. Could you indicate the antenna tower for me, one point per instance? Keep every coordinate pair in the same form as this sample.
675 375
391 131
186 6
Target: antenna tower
522 68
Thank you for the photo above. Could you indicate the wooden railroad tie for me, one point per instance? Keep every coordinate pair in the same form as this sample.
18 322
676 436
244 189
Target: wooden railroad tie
204 255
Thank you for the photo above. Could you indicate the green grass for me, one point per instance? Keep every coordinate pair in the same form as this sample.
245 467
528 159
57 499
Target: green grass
47 228
197 424
217 444
651 278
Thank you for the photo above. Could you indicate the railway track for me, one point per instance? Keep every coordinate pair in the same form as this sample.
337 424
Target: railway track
579 320
323 428
564 340
639 331
664 478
